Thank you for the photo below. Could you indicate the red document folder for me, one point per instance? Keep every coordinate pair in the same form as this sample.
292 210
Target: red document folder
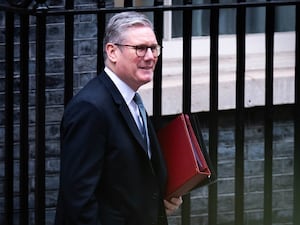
186 165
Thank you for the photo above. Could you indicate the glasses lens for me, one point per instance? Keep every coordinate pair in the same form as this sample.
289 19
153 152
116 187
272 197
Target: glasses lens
142 50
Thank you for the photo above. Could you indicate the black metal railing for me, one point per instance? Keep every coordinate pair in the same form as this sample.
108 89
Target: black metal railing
38 10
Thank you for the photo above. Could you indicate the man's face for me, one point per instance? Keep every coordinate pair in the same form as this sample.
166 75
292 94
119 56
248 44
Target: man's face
133 69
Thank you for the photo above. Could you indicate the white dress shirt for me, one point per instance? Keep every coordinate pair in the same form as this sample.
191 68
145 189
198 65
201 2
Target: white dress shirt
128 94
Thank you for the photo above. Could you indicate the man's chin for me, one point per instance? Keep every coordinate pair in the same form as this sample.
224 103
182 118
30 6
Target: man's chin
147 75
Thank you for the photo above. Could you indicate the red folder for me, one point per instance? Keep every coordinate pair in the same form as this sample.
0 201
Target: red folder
185 162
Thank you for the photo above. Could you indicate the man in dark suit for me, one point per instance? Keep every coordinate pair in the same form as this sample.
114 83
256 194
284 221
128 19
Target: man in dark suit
110 173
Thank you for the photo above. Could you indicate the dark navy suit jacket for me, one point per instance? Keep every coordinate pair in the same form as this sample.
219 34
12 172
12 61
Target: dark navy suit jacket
106 176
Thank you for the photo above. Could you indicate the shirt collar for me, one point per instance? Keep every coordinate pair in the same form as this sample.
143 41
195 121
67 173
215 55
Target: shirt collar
126 92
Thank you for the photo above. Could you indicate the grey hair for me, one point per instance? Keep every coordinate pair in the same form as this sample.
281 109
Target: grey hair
119 23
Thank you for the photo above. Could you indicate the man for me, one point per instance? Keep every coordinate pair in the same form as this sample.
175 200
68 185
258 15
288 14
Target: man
110 173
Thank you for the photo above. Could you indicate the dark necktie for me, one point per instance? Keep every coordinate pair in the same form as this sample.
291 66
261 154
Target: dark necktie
144 128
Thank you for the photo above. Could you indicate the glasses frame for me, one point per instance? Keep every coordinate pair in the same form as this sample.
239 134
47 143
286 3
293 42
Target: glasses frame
143 48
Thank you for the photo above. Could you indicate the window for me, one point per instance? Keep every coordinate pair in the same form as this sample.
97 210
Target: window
255 17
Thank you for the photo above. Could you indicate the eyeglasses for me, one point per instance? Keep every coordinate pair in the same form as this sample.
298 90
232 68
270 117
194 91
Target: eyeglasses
141 50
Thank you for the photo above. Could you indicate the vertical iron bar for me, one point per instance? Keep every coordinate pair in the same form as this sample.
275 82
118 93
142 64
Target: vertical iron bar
187 57
296 218
128 3
157 80
239 120
101 30
213 109
24 145
158 3
69 52
269 115
9 121
186 90
186 210
40 118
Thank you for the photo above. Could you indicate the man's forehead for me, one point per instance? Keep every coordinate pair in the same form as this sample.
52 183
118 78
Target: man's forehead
141 32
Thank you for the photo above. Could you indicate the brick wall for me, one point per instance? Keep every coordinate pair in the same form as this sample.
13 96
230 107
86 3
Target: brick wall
283 153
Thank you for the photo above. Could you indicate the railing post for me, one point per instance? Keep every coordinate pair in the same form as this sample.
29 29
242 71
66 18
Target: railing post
24 126
186 89
40 113
128 3
101 17
157 80
296 211
213 109
187 57
268 118
69 53
9 121
239 114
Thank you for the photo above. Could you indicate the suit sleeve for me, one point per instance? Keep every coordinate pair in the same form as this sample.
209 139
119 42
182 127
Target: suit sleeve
83 147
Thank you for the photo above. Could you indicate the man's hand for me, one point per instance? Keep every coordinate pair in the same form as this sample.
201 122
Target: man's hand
172 205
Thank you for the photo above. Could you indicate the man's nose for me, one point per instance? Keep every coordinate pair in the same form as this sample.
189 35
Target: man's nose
149 53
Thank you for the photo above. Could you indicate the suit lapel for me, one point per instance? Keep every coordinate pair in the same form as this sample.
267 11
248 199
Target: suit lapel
157 158
132 125
116 95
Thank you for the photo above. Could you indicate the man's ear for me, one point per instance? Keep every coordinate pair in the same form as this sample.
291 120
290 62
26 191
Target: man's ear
111 52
